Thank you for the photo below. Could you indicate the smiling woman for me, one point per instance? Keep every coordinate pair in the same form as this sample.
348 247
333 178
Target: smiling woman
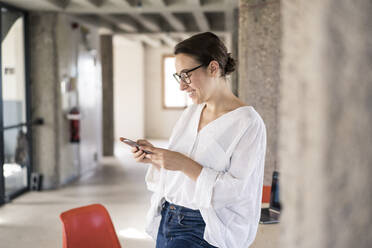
207 185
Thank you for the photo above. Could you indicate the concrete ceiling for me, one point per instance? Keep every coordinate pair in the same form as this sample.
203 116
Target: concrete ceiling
147 19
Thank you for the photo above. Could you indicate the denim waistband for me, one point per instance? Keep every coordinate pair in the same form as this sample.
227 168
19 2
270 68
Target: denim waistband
181 210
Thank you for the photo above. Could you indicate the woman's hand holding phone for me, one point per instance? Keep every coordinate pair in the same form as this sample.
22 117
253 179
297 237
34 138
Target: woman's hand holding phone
138 154
144 152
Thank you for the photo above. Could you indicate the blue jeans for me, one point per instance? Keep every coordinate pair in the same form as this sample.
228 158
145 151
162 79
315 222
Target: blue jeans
181 227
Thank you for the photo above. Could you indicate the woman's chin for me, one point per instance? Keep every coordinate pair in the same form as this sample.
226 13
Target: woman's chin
195 100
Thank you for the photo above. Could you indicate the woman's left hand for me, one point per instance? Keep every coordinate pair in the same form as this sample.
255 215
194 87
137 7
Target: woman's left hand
167 159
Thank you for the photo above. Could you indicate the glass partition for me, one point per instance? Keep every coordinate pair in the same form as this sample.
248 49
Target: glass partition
15 148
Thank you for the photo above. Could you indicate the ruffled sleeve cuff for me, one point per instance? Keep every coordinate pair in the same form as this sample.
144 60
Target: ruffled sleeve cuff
152 178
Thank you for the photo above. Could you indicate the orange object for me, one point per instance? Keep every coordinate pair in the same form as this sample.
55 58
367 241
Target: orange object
266 193
88 226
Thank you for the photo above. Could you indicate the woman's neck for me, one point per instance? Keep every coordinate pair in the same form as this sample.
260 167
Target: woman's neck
222 101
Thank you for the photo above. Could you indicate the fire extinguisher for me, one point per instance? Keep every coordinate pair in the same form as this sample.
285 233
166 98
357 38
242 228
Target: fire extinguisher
74 117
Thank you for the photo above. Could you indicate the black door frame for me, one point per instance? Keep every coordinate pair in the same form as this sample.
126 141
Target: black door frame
28 123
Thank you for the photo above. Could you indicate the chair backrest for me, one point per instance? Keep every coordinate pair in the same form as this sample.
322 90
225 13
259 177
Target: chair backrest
88 226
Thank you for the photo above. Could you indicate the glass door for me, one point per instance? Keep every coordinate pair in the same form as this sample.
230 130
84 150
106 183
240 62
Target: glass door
14 138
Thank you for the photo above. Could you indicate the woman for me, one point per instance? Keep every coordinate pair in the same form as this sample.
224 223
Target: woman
208 184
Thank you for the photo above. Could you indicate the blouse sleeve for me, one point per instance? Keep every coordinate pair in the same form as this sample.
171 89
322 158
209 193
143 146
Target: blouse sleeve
241 181
152 178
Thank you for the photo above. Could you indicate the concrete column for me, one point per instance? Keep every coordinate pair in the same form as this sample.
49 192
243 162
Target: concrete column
45 96
259 60
59 54
107 95
326 124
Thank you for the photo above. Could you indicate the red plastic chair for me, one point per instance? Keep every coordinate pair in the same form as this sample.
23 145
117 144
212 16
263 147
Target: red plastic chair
88 226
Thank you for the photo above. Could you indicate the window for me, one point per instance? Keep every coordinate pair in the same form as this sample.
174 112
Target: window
173 97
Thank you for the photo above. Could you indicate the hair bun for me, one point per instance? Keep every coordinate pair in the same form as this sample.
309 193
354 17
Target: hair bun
230 64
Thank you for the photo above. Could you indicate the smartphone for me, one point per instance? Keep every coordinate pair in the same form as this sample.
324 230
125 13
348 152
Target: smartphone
133 144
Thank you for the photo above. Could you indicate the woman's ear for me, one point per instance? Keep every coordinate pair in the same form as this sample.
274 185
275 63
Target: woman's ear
213 68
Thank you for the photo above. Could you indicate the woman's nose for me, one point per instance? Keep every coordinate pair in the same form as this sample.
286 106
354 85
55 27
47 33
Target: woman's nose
183 85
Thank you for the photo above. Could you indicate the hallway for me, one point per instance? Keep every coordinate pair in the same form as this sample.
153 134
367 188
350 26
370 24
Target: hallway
32 220
77 74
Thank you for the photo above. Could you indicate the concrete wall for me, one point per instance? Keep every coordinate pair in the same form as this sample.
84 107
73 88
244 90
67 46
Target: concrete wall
129 88
326 116
259 60
159 122
57 51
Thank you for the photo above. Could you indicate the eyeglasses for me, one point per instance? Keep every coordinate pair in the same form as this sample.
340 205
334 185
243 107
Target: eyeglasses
184 76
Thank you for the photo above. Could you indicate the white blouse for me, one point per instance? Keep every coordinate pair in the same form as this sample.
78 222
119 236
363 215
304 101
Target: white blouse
228 191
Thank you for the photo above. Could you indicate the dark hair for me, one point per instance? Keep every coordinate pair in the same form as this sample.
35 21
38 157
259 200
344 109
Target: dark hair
205 47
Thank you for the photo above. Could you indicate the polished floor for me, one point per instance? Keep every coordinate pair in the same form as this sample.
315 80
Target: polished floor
32 220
